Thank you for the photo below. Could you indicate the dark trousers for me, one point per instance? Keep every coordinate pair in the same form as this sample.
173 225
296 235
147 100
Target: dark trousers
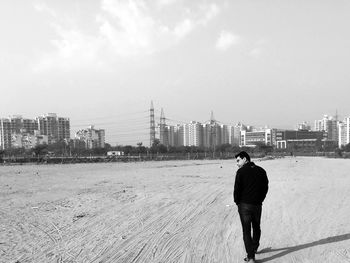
250 216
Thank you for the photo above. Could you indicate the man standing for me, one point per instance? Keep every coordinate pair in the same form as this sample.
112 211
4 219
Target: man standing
251 186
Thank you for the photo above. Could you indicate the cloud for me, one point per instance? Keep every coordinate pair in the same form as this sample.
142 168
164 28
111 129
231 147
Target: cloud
125 28
42 7
73 50
183 28
226 40
128 27
255 52
166 2
209 12
258 49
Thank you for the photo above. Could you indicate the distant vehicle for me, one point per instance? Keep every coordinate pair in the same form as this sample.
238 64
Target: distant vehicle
115 153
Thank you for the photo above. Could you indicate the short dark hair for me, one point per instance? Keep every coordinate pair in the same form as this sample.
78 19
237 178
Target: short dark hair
242 155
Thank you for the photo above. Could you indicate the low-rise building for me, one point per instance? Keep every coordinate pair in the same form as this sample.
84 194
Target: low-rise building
258 137
299 139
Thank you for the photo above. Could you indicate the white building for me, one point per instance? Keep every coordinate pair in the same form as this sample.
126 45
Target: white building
344 132
253 138
193 134
329 125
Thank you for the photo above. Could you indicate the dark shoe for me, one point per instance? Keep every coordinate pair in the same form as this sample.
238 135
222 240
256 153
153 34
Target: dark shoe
251 260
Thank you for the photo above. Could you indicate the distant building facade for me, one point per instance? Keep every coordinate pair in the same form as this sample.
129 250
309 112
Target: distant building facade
298 139
91 137
304 126
27 140
178 135
13 126
256 137
344 132
56 128
208 135
236 134
329 125
193 134
18 132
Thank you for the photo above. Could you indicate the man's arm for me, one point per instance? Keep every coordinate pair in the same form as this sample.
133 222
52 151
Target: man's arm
236 191
265 188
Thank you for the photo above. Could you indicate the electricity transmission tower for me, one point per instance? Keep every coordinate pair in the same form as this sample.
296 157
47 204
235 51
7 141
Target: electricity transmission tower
152 126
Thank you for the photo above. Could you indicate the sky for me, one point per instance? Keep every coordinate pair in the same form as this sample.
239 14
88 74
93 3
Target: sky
272 63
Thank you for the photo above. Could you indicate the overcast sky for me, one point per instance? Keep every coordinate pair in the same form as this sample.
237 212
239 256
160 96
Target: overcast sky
275 63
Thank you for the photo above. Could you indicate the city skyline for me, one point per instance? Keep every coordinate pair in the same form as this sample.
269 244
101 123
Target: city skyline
275 63
319 124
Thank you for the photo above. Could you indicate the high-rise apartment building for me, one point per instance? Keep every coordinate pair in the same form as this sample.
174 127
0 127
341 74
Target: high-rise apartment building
193 134
167 134
91 137
236 137
329 125
344 132
56 128
225 134
14 129
211 134
170 131
178 135
13 126
5 134
163 132
208 135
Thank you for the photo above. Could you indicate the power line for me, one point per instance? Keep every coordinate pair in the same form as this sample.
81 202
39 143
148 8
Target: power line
111 116
117 125
132 121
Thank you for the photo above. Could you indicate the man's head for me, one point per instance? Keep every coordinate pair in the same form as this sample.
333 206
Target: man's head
242 158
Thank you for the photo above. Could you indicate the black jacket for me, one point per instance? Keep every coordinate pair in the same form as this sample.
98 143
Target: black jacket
251 184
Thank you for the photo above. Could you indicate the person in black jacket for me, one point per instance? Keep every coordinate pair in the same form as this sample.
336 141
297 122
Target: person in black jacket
251 186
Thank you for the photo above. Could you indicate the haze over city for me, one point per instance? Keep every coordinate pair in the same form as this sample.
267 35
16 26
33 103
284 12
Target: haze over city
275 63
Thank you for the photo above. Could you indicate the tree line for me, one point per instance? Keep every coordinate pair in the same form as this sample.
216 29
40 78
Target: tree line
70 149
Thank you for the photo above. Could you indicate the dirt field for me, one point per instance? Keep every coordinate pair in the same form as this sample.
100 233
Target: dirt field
178 211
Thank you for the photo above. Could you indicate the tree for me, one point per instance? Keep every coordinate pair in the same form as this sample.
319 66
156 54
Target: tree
108 147
99 151
128 149
140 148
346 148
59 148
40 149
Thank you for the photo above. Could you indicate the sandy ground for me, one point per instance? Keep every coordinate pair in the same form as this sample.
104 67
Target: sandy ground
178 211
